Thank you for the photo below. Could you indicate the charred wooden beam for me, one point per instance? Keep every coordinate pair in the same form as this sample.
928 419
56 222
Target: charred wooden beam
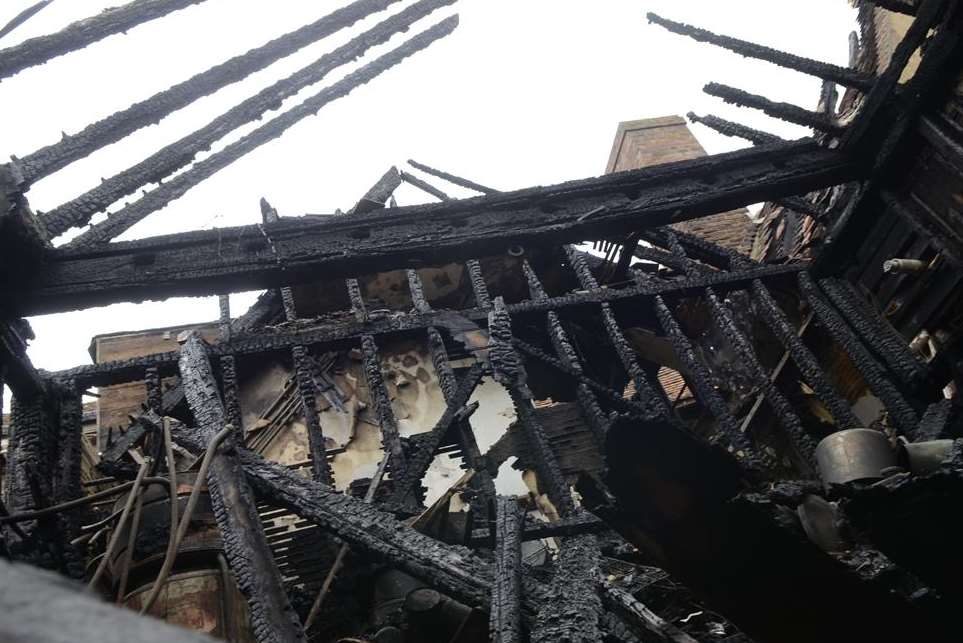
451 178
588 403
574 612
66 484
228 365
407 481
483 299
379 193
29 470
582 522
907 7
245 546
23 16
699 379
505 620
510 372
201 263
347 335
424 186
78 35
644 391
381 402
778 323
736 130
783 111
158 166
781 407
634 611
875 332
57 156
903 414
173 189
826 71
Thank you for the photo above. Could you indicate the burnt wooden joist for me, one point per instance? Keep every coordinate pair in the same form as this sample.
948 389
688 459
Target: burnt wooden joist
347 334
149 111
297 250
245 545
78 35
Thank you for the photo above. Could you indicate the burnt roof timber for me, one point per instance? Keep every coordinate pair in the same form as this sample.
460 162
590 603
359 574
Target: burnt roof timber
16 370
78 35
349 333
783 111
234 259
23 16
180 153
826 71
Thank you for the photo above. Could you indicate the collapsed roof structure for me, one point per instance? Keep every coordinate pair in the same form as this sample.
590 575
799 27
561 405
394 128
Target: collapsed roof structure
721 438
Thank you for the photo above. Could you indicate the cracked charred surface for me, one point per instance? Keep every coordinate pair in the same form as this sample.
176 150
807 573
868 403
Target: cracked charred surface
574 611
273 620
505 622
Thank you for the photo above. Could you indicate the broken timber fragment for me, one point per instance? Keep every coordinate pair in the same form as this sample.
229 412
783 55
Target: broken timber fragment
245 547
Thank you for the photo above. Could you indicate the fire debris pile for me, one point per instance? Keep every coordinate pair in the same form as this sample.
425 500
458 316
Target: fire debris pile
713 444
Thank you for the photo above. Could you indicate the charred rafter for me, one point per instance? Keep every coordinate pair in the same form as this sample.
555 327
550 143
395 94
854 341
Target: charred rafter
424 186
201 262
505 622
843 76
175 188
451 178
78 35
783 111
381 402
736 130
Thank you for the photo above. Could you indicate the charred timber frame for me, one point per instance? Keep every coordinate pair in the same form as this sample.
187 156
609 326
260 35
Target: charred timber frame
505 622
231 259
245 547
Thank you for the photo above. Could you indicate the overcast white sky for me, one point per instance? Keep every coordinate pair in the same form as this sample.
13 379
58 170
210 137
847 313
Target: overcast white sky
525 92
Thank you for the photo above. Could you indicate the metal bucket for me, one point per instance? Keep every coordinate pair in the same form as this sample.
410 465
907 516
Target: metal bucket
854 455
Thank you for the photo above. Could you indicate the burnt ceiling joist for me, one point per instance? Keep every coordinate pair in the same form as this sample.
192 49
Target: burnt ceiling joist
298 250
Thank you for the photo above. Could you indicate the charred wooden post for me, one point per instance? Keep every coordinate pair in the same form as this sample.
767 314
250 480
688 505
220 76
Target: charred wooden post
735 130
377 197
381 402
424 186
155 394
574 612
505 620
875 332
57 156
272 617
15 366
451 178
78 35
783 111
357 301
777 322
180 153
873 372
591 411
228 366
700 381
510 372
130 215
843 76
781 407
66 482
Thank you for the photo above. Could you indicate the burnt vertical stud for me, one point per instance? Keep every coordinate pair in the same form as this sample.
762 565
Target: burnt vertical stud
505 621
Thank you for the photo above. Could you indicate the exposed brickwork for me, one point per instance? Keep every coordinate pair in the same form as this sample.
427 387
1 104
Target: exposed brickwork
667 139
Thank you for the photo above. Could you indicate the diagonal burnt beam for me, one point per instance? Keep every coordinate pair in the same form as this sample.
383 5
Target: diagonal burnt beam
424 186
111 129
505 621
233 259
783 111
826 71
451 178
78 35
245 545
16 370
346 335
510 372
127 217
873 372
381 401
735 130
376 197
456 410
778 323
166 161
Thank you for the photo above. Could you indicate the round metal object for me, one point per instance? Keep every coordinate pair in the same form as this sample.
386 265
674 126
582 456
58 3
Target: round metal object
926 457
516 251
854 455
820 521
